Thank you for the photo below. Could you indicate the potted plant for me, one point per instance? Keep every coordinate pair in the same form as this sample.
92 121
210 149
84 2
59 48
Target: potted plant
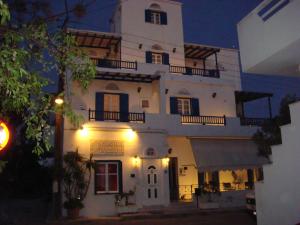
206 193
76 181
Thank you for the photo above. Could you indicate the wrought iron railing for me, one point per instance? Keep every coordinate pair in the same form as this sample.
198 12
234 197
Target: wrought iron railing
114 64
204 120
195 71
246 121
116 116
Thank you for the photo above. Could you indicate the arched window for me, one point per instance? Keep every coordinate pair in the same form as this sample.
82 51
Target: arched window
155 15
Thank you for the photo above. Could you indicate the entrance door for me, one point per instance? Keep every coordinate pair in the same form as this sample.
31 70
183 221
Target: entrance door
173 179
151 183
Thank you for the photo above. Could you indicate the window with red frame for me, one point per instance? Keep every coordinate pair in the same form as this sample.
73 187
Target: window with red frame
107 177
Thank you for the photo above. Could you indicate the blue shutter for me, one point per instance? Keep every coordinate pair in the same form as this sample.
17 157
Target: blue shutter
165 58
148 16
163 18
173 105
148 57
250 178
124 108
99 116
195 107
120 173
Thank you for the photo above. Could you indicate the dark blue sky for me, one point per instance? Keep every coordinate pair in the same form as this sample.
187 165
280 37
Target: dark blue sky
211 22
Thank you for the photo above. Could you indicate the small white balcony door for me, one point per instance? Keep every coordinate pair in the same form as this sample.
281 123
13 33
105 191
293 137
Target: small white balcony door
184 106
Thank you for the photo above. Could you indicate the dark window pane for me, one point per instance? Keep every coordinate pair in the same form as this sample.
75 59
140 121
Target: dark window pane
155 193
149 179
113 183
149 193
112 168
100 168
155 179
100 183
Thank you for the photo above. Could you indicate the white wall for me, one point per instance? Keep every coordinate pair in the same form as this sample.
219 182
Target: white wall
277 197
271 47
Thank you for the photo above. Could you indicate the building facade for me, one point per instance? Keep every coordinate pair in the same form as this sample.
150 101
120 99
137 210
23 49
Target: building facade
162 117
269 39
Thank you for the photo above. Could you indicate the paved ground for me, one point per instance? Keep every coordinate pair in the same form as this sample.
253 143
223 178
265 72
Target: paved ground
212 218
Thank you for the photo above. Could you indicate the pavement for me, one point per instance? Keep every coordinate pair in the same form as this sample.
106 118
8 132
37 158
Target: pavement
234 217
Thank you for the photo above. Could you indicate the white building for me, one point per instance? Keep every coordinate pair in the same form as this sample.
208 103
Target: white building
270 43
162 117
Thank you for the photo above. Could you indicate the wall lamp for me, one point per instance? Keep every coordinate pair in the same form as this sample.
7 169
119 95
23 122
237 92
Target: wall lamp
214 95
174 50
140 46
139 89
166 91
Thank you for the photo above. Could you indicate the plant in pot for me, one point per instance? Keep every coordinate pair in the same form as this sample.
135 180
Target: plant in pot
76 181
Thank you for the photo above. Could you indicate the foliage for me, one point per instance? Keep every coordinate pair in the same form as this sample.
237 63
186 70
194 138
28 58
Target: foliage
270 133
125 196
35 45
76 178
209 189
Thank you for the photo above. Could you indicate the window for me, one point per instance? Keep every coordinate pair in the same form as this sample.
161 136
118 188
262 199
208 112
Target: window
157 58
108 177
184 106
155 17
111 103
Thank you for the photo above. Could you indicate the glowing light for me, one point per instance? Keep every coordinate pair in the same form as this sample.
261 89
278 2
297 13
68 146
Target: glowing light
59 101
84 132
165 162
4 135
136 161
130 135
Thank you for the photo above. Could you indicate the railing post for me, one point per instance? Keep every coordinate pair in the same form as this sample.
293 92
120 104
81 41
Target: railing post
224 120
135 65
144 117
89 114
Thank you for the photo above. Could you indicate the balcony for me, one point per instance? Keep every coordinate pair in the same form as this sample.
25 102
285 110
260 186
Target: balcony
254 121
114 64
204 120
195 71
116 116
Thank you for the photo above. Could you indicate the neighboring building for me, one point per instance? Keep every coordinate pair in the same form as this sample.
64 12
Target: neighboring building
162 117
270 44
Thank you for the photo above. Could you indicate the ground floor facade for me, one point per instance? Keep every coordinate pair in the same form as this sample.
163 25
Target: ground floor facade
136 169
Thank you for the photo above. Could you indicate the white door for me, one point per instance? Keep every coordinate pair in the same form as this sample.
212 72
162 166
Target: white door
152 192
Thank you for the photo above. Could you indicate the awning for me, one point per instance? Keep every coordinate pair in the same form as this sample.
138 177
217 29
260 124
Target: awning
247 96
226 154
196 51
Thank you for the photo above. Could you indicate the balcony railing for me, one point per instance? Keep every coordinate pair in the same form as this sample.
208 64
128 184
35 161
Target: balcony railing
115 64
253 121
204 120
116 116
195 71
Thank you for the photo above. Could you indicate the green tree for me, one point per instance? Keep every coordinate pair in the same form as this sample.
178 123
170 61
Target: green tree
270 133
34 43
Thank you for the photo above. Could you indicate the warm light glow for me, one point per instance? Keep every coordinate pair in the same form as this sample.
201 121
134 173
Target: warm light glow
165 162
84 132
130 135
59 101
4 135
136 161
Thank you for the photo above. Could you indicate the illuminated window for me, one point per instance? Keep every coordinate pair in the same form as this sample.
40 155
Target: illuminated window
184 106
107 177
111 103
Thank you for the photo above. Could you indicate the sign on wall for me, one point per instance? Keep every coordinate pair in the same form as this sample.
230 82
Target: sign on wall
107 147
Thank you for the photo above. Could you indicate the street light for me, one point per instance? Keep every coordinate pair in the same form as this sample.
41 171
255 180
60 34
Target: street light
59 101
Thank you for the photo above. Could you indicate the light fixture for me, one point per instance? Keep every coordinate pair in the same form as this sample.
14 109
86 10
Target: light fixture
139 89
4 135
166 161
83 132
130 135
214 95
166 91
136 161
174 50
59 101
140 46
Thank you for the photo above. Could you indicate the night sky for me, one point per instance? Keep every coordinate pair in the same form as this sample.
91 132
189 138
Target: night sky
210 22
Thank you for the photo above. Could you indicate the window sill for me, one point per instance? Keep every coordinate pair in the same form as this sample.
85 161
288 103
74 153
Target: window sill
107 193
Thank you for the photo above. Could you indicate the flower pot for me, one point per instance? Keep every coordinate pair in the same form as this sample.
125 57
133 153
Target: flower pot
73 213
